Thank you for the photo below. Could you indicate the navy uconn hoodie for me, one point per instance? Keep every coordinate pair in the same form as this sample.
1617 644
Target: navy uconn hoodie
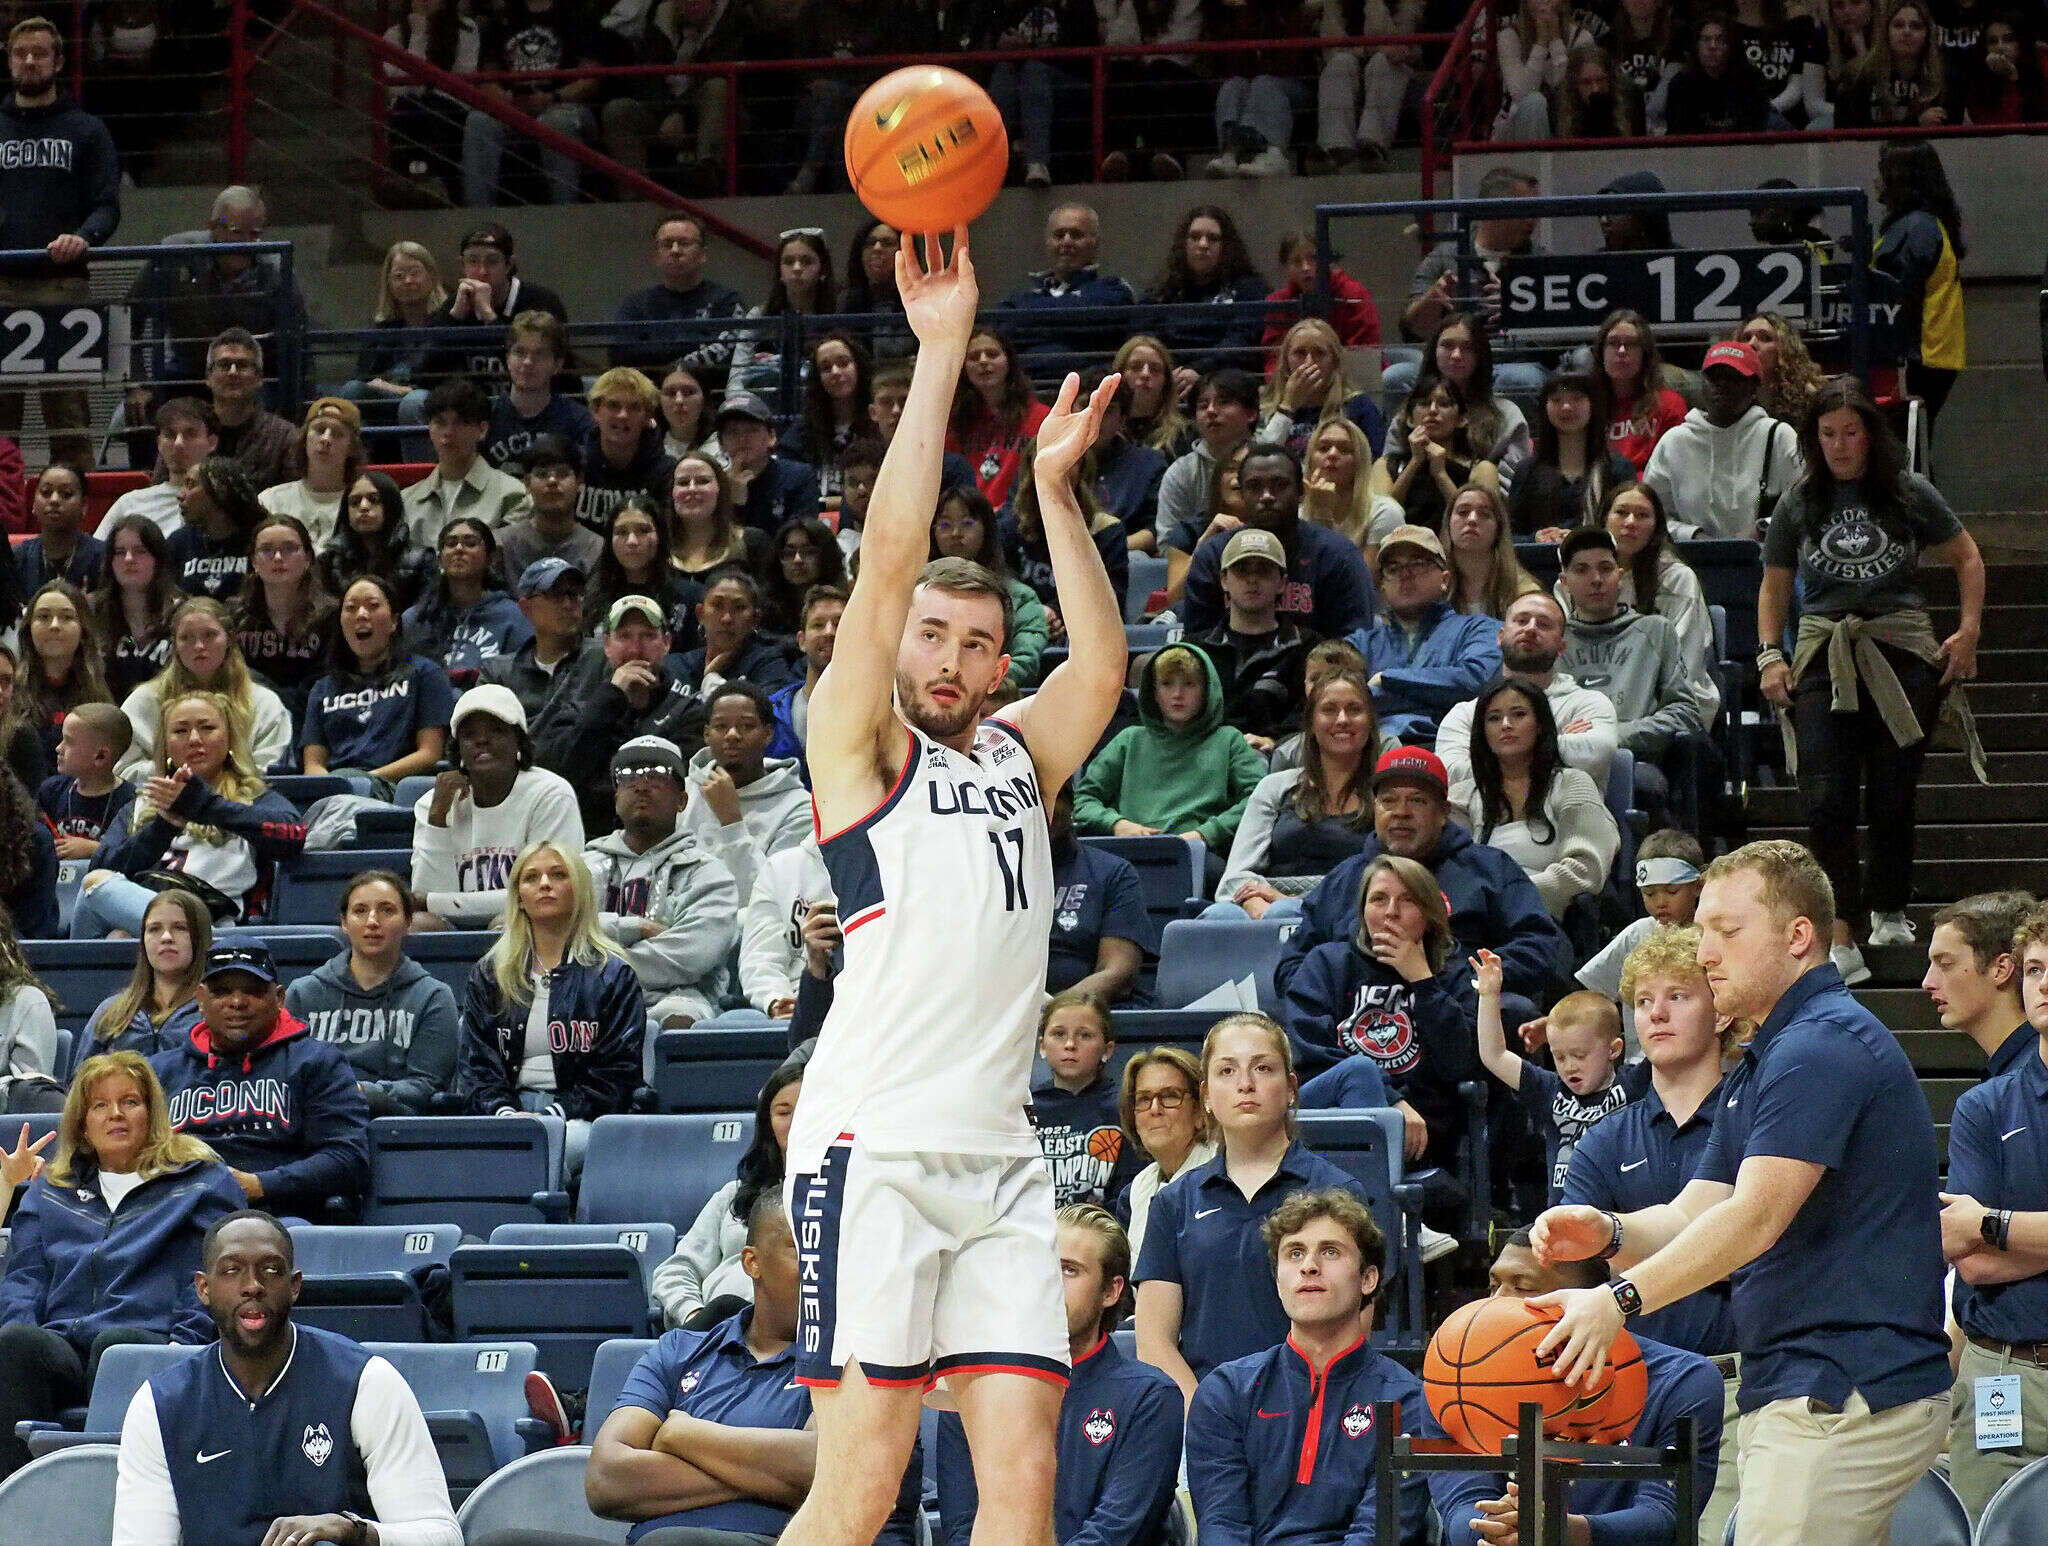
59 175
287 1111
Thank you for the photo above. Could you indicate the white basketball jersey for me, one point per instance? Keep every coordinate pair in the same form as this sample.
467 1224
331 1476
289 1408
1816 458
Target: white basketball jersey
945 897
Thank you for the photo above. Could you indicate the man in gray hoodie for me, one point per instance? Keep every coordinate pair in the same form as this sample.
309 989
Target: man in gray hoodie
661 895
744 804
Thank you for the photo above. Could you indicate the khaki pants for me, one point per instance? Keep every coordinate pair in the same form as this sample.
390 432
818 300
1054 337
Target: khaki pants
1977 1474
67 415
1727 1482
1819 1478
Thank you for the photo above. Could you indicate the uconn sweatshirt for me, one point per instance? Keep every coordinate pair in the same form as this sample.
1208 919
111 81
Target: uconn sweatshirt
461 869
59 176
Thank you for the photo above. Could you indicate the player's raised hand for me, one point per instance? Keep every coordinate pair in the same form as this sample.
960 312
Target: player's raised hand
938 298
1067 432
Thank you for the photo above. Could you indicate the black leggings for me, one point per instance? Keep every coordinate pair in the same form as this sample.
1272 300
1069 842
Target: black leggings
41 1374
1850 767
1931 384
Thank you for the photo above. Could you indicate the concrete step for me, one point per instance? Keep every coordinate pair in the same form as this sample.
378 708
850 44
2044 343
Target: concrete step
2023 697
2004 584
1935 1052
2012 627
2016 665
2006 769
1963 841
1945 880
2013 732
1940 807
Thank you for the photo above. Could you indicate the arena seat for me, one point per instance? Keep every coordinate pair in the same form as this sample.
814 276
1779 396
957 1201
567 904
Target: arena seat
474 1398
449 955
539 1492
1169 868
658 1167
716 1067
294 951
361 1280
1198 955
385 826
1932 1515
477 1172
123 1370
1367 1145
609 1368
81 972
1141 638
64 1499
1148 574
564 1299
302 789
653 1243
411 787
1137 1029
2014 1514
309 887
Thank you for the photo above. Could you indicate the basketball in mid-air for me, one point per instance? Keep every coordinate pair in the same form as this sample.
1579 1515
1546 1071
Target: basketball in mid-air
1481 1366
926 149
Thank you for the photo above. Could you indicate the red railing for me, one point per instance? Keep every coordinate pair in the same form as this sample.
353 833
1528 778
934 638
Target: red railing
1465 87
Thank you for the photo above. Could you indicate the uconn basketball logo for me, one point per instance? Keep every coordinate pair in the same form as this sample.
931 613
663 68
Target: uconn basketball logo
318 1443
687 1383
1380 1026
1100 1427
1357 1422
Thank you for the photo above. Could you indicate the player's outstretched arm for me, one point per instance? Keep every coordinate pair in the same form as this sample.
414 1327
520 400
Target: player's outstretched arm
852 709
1064 719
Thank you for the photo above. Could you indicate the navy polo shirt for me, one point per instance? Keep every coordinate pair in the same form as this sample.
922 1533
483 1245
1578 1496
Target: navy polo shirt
1094 895
1849 1298
1635 1159
715 1375
2012 1051
368 721
1203 1233
1998 1154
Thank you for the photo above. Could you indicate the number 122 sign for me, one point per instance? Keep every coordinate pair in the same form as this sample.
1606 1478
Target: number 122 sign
1710 290
60 343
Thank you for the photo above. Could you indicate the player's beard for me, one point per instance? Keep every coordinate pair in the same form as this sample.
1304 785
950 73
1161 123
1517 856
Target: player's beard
935 719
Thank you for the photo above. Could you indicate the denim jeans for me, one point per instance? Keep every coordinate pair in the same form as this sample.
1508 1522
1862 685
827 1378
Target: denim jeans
1286 907
484 139
115 903
1263 104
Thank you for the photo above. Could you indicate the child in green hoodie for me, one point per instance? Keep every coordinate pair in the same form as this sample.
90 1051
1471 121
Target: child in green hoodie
1180 769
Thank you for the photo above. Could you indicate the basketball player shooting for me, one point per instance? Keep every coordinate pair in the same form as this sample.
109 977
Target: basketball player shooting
922 1209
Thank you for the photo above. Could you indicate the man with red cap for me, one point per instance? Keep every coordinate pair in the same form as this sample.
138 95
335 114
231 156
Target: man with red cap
1722 469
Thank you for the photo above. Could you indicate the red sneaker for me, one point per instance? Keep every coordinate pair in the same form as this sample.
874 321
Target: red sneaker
545 1403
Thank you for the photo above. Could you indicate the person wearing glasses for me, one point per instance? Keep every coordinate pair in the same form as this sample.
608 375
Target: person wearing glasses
680 294
1161 1107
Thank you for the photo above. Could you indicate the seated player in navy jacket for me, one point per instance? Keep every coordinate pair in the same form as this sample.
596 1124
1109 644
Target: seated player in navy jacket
1281 1445
1119 1436
1478 1511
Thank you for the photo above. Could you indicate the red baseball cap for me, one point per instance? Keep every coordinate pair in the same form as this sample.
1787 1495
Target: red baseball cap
1737 357
1415 765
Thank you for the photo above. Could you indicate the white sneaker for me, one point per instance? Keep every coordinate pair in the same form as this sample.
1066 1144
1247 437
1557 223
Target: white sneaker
1270 162
1849 962
1225 165
1891 929
1436 1245
1038 175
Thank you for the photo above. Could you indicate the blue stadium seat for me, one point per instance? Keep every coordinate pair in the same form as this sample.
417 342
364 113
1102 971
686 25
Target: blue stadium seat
1169 868
62 1499
1140 638
1620 796
1367 1145
450 955
717 1067
309 887
1932 1515
565 1299
411 787
66 1039
302 789
295 951
2014 1514
1148 574
362 1279
477 1172
652 1243
123 1370
70 880
658 1167
1730 569
613 1362
474 1398
1198 955
81 972
385 826
1137 1029
539 1492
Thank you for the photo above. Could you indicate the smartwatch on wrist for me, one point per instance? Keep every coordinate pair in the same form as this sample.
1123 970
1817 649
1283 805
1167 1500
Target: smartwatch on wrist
1613 1246
1628 1297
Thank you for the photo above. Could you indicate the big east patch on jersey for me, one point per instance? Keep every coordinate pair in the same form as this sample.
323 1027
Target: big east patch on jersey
1380 1026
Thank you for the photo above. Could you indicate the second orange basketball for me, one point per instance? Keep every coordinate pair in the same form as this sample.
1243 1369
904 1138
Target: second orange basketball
926 149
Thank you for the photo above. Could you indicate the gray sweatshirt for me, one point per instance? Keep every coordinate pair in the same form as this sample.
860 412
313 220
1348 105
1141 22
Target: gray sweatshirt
691 893
706 1263
399 1036
775 813
28 1034
1639 664
771 937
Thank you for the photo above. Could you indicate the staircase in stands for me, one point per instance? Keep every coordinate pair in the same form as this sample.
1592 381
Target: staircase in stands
1972 837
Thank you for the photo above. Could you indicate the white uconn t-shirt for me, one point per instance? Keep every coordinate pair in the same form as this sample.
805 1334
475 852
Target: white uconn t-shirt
945 896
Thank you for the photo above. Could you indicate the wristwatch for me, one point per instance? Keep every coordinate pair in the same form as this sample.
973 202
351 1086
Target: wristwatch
1613 1246
1629 1297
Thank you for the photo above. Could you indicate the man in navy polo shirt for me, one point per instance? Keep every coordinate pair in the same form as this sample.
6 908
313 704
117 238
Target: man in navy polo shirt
1281 1445
277 1435
1973 976
1478 1511
1645 1153
1120 1421
1817 1189
1100 929
1994 1230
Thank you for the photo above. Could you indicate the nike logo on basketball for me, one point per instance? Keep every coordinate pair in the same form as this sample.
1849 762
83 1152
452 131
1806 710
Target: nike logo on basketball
204 1458
887 121
2003 1136
1636 1166
1206 1212
1264 1413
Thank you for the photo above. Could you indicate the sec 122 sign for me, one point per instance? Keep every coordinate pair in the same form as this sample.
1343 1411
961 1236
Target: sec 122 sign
1701 291
60 343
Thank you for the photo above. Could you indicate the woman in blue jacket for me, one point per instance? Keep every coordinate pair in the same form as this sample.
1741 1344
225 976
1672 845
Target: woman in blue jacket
1393 993
578 1054
159 1004
104 1245
467 616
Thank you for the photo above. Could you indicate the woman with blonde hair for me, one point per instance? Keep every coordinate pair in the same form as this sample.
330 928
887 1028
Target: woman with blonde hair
1308 387
553 1018
1791 379
409 291
157 1007
1336 486
105 1244
1486 572
205 822
1155 419
206 659
1161 1107
1394 993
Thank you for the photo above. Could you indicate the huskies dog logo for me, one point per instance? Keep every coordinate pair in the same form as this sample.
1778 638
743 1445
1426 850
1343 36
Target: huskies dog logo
687 1383
1357 1422
1100 1427
1380 1026
318 1443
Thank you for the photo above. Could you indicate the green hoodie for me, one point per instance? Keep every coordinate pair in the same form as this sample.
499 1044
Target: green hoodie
1194 779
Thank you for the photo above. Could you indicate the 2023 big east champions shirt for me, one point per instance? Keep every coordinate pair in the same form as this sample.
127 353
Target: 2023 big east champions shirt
945 897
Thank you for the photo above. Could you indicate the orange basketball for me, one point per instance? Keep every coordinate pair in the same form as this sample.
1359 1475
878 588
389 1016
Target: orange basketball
926 149
1105 1144
1481 1366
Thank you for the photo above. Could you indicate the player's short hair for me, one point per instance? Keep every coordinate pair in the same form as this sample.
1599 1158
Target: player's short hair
861 451
1182 1062
895 375
1590 1273
460 396
1337 655
964 577
740 687
209 1247
818 596
1228 384
1594 1011
622 383
1672 843
1343 1208
108 725
1794 884
1116 1250
2032 930
541 327
1988 923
